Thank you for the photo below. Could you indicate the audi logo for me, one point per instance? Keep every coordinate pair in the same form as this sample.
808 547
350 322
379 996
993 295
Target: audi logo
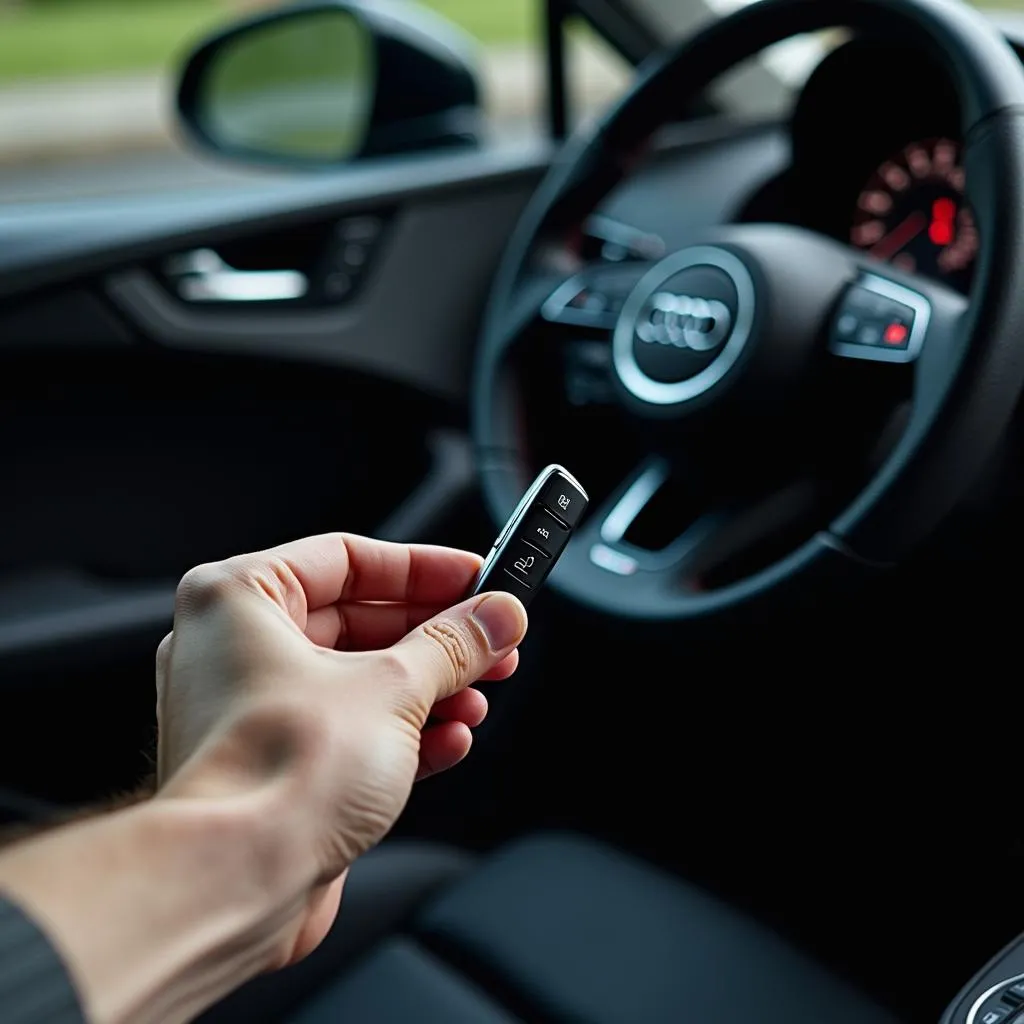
684 322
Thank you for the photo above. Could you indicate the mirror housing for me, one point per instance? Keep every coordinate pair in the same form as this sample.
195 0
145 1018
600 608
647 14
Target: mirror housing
324 82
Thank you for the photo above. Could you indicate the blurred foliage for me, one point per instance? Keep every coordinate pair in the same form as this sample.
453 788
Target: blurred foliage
60 38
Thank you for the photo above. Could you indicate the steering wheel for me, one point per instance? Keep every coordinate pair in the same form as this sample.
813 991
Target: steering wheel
714 348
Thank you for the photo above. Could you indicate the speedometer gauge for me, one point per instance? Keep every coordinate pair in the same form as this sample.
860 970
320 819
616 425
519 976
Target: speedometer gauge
913 214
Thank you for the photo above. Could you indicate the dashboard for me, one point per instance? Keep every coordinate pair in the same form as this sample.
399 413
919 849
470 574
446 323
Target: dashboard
876 162
871 156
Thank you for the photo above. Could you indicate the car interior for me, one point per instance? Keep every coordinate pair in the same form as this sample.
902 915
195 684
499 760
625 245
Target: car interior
756 764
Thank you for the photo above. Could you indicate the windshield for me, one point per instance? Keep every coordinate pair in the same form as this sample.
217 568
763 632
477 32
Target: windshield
87 86
766 86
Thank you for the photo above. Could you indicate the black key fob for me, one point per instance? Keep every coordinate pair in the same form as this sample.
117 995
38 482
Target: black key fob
535 536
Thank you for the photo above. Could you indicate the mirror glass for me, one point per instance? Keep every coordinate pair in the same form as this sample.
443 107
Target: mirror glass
299 87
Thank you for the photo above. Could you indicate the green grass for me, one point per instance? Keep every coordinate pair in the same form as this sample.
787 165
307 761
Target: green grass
56 38
85 37
493 21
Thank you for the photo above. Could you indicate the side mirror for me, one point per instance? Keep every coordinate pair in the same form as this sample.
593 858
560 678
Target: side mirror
326 82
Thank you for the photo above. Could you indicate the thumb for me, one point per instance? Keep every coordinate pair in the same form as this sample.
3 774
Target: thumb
454 649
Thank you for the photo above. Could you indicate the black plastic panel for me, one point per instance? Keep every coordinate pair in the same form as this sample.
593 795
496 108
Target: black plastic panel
74 318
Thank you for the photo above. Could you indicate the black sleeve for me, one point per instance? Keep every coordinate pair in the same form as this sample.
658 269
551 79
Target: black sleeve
35 987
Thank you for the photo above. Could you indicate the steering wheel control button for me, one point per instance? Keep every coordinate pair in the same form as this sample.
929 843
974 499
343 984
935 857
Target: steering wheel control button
875 319
869 334
847 326
994 1015
1015 993
564 499
684 326
594 299
880 320
544 531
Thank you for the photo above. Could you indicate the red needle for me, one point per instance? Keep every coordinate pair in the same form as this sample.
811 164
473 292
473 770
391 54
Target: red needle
900 235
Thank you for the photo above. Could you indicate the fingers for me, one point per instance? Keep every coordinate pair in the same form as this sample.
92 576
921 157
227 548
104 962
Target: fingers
468 706
458 647
368 626
373 626
442 747
503 669
321 913
343 567
317 572
163 657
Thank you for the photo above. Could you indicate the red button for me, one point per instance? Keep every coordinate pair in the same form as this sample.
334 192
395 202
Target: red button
895 334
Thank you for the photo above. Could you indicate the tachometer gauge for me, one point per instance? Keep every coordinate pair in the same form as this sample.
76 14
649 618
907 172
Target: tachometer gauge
913 214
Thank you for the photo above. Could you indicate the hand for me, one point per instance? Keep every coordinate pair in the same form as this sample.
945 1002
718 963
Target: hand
309 672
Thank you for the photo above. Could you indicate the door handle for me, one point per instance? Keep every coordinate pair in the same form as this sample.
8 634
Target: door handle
202 276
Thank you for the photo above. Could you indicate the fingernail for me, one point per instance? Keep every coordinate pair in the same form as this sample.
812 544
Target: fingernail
503 620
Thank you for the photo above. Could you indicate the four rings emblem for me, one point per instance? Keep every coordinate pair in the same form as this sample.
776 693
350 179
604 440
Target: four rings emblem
684 321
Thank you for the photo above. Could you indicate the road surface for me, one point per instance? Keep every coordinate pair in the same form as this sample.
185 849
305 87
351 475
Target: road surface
119 174
152 173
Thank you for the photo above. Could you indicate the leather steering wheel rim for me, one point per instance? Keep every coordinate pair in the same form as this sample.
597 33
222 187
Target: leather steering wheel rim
973 385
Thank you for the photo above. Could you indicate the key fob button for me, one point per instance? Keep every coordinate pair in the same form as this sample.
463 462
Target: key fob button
525 562
542 529
562 498
534 537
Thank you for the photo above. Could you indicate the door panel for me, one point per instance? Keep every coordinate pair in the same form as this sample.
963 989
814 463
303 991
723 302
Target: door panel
144 434
412 321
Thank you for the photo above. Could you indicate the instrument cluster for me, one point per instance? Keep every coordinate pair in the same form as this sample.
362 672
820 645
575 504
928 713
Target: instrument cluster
876 162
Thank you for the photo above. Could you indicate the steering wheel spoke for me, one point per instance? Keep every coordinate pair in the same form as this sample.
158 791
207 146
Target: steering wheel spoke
654 526
614 533
568 322
593 298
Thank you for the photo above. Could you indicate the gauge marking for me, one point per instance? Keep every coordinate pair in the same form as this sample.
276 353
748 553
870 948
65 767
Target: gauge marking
895 177
919 162
875 201
869 233
912 213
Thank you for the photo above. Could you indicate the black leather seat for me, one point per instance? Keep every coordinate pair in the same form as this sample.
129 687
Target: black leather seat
553 928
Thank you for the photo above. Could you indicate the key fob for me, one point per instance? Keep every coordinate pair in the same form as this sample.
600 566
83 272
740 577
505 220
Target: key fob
535 535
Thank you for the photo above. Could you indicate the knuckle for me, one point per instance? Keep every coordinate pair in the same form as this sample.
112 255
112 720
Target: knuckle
163 652
275 579
403 688
394 669
203 585
163 655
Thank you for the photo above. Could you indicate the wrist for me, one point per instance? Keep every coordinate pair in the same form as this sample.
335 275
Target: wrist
194 897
